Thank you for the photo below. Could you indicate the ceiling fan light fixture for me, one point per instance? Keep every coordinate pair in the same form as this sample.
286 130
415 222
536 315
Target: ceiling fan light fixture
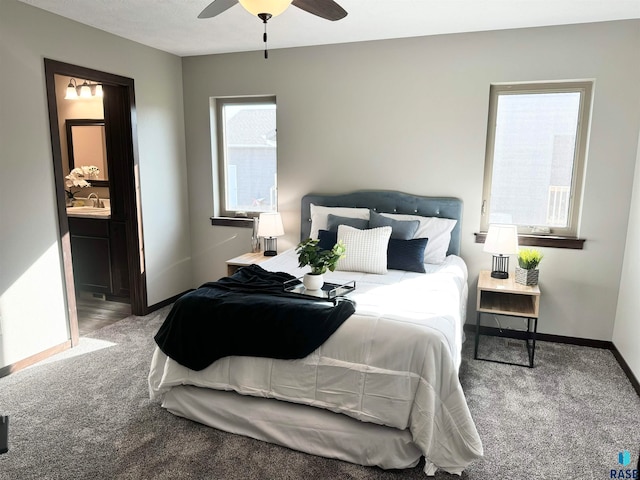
271 7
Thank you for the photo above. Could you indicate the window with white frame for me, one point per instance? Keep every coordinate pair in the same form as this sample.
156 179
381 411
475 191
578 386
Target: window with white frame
247 155
535 158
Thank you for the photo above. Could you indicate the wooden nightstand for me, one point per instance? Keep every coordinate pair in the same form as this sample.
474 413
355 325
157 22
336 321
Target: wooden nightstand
506 297
245 260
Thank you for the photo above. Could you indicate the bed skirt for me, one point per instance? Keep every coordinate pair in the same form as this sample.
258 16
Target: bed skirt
299 427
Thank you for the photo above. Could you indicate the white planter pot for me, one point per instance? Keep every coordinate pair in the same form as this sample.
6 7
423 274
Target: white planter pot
313 282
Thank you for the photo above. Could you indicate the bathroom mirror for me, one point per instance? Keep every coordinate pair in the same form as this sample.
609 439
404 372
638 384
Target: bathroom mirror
87 146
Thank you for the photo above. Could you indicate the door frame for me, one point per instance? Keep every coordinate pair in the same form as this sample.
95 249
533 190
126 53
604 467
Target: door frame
128 159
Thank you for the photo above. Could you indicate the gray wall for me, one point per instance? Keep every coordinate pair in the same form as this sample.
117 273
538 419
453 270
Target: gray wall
32 301
626 333
411 115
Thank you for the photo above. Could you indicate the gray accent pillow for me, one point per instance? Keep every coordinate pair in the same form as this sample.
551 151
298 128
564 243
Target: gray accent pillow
334 220
400 229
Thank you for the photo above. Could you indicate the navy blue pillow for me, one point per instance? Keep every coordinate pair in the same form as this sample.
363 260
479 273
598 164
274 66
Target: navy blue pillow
407 255
400 229
334 220
327 239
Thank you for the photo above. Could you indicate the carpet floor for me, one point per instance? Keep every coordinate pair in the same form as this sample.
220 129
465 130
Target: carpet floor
86 414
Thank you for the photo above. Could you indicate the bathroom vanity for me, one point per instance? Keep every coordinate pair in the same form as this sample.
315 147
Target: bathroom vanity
99 252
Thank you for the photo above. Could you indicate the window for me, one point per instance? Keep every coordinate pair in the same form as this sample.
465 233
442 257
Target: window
247 159
536 147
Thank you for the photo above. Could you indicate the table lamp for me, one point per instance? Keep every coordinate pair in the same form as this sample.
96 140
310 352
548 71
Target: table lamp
501 241
270 227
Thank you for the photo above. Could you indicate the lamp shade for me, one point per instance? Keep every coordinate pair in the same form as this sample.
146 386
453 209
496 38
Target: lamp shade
502 239
85 90
72 92
270 225
272 7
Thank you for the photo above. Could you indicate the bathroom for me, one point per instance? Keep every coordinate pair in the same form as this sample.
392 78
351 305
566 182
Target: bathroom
98 247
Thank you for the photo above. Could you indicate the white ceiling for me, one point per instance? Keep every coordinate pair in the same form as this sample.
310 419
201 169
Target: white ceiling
173 26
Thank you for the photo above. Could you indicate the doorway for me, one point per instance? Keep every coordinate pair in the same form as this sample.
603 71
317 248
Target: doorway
120 238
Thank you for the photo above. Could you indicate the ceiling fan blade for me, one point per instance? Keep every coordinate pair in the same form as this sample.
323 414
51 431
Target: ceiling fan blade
216 8
327 9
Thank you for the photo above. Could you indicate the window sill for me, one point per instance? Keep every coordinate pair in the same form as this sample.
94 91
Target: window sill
542 241
232 222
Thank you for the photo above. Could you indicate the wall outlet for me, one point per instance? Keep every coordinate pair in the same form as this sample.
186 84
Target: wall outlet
4 433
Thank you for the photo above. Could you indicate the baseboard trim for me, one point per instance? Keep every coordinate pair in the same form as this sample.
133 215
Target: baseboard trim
546 337
168 301
625 368
33 359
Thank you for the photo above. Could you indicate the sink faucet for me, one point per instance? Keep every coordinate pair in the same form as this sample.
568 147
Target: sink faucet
97 203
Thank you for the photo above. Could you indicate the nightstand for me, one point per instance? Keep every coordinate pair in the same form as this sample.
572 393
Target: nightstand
245 260
506 297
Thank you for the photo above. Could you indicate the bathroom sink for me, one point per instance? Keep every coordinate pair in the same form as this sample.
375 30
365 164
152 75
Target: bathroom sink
93 212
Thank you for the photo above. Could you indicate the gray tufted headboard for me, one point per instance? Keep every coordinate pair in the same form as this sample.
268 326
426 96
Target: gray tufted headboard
385 201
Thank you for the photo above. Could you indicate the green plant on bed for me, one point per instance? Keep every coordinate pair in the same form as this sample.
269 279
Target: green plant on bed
529 258
309 253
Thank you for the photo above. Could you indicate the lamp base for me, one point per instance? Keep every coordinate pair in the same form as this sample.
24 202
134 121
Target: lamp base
500 267
270 246
500 275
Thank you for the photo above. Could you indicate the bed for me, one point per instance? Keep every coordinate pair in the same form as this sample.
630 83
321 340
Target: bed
383 390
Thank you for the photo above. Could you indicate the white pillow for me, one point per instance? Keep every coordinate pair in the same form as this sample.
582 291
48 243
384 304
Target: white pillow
437 230
366 250
319 216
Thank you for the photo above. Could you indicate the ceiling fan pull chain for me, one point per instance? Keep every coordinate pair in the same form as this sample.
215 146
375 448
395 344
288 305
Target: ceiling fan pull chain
264 38
264 17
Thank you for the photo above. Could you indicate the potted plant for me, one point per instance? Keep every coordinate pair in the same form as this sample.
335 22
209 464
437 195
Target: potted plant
310 253
527 270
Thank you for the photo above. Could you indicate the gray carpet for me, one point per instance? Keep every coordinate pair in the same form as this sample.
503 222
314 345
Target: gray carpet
85 414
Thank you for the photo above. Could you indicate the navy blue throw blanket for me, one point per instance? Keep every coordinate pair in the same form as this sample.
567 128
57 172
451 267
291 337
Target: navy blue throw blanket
248 314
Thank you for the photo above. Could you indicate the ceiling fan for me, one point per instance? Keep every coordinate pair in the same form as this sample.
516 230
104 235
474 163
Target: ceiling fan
266 9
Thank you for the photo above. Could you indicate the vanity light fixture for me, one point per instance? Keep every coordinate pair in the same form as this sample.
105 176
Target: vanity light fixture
86 90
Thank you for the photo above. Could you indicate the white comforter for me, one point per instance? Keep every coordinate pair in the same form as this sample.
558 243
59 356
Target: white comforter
394 362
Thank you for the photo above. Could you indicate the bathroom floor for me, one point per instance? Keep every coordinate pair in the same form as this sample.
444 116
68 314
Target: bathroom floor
95 313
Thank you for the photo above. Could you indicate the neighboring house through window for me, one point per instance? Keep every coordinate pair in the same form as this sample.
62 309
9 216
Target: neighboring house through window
247 159
535 160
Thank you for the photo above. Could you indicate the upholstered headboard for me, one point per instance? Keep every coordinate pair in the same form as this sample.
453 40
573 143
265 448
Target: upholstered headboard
385 201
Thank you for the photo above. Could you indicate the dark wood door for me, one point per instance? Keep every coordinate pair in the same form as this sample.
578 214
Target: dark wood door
128 262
